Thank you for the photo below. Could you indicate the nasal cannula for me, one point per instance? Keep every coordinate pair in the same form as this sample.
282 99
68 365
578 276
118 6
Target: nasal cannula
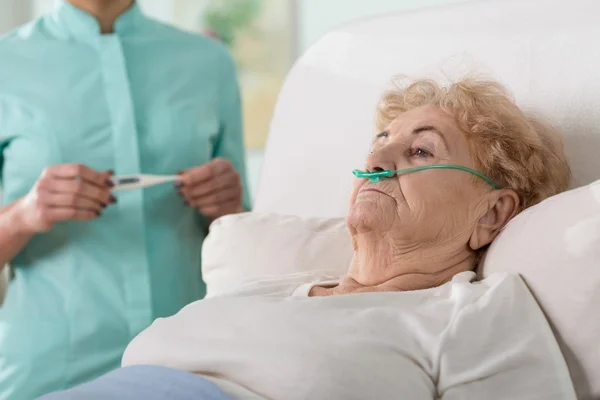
376 176
140 181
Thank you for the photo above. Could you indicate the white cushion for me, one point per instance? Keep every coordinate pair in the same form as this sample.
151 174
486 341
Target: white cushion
247 246
542 50
555 246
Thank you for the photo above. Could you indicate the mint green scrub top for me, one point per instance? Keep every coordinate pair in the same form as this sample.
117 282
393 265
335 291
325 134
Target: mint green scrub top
146 99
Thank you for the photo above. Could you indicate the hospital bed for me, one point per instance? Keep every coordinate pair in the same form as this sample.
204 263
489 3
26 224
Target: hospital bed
545 51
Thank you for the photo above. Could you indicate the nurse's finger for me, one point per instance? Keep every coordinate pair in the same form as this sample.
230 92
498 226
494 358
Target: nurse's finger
196 175
227 180
93 192
58 214
216 198
71 200
202 173
80 171
218 210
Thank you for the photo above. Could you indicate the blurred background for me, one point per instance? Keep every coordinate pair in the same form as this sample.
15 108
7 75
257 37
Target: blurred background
265 37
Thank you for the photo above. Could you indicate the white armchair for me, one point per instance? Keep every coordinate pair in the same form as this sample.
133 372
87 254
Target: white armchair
545 51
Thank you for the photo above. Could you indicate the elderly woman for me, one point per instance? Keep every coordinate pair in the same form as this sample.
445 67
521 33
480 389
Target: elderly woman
408 320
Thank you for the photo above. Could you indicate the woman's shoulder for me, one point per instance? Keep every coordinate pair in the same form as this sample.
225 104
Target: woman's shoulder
498 297
466 288
501 333
204 45
18 40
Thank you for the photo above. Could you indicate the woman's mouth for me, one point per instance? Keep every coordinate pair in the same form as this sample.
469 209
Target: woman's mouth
371 189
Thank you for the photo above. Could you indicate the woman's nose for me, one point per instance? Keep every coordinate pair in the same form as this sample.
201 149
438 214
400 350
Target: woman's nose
379 161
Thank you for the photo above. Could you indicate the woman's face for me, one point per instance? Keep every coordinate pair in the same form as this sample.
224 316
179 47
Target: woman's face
431 206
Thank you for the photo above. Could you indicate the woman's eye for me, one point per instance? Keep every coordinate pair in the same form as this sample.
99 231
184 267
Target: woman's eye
382 134
419 152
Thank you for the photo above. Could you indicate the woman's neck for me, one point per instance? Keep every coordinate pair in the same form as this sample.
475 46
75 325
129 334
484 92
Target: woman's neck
383 263
106 11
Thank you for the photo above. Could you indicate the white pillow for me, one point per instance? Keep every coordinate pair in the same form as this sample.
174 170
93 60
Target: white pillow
554 245
243 247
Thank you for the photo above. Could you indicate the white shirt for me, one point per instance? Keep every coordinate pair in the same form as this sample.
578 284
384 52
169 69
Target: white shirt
462 340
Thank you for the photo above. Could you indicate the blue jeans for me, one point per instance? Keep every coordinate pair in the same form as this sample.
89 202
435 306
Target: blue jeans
143 382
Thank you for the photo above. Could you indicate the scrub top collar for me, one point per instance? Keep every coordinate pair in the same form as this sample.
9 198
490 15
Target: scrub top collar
83 26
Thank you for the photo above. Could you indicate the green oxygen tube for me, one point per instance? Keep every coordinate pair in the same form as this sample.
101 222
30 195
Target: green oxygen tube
376 176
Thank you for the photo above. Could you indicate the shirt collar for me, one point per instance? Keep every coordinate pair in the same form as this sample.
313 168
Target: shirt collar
80 25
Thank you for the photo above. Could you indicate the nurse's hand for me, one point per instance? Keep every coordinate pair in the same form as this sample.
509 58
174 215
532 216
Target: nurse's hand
214 188
65 192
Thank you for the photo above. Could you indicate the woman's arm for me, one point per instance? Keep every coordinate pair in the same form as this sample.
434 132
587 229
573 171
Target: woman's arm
220 187
230 143
14 234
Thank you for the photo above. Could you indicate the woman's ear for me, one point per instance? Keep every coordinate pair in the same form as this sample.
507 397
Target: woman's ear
504 205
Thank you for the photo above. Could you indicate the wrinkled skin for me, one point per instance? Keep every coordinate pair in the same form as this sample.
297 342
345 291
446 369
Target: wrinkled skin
417 230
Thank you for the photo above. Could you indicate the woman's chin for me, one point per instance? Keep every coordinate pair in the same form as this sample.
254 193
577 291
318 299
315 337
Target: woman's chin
366 216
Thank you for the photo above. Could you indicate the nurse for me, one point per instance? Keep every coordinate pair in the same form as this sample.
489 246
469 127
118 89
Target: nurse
95 89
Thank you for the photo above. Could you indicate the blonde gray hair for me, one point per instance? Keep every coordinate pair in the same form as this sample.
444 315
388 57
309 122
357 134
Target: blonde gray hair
519 151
